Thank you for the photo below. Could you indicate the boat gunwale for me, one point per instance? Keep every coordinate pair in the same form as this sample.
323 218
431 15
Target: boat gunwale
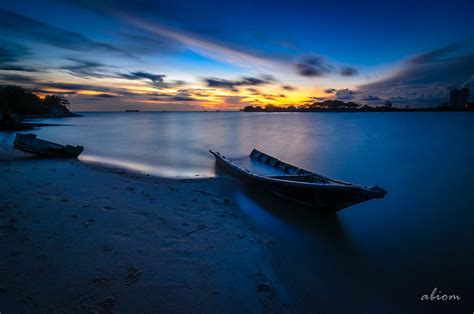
331 185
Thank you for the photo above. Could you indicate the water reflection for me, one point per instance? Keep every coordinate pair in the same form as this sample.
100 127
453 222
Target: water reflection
155 170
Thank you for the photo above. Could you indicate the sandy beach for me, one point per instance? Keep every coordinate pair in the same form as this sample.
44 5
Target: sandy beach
77 237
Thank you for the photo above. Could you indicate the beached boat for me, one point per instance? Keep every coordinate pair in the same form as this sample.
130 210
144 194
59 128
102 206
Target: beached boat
301 185
28 143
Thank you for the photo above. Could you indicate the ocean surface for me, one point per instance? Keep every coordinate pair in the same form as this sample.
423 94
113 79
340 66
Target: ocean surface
381 256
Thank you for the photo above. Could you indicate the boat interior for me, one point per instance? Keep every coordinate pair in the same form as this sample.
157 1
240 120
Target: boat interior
291 173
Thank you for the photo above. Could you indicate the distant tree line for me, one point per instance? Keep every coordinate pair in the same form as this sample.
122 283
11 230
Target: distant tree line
326 105
15 100
341 106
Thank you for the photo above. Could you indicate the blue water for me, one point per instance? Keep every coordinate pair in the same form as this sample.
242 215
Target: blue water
376 257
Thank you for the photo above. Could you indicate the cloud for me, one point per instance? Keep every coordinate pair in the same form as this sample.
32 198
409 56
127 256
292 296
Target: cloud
317 66
21 26
152 44
288 87
17 68
232 85
74 86
345 94
234 101
469 82
16 79
156 80
180 96
348 71
11 54
425 79
86 68
371 98
313 66
105 95
254 91
330 90
183 29
183 98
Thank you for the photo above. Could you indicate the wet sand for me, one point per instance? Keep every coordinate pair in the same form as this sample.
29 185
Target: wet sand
81 238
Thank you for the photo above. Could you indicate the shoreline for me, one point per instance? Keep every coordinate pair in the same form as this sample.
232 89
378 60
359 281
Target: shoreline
81 237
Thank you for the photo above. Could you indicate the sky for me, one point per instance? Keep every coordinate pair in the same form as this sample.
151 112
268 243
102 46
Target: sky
224 55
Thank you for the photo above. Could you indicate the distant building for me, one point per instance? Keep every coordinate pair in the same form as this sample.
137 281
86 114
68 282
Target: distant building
464 96
459 97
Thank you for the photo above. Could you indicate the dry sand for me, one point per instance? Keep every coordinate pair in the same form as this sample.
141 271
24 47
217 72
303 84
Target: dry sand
79 238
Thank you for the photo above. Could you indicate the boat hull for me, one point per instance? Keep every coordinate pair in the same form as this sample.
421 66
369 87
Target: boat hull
325 197
28 143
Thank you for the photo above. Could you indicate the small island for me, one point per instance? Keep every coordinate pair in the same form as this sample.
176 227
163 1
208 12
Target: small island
17 104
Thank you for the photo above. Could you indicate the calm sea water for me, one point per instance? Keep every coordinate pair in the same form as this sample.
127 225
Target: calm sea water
376 257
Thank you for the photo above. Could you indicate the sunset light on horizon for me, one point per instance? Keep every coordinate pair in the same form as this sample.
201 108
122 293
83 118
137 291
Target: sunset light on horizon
223 56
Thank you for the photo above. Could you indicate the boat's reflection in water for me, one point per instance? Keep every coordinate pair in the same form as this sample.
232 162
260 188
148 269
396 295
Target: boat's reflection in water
278 213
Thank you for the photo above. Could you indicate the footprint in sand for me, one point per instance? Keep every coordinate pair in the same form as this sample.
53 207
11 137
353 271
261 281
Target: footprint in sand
133 274
203 192
99 280
105 306
16 253
265 288
89 222
107 248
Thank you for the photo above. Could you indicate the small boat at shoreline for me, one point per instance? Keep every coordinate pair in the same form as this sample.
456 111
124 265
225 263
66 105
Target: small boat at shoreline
29 143
301 185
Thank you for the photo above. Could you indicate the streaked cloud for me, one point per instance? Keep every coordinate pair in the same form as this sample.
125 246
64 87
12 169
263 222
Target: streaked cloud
232 85
313 66
289 88
425 79
345 94
348 71
86 68
24 27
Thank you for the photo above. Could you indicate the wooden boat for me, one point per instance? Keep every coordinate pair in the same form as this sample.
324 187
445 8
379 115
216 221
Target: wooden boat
302 185
28 143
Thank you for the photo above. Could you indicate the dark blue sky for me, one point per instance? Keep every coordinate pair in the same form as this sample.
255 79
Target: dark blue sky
227 54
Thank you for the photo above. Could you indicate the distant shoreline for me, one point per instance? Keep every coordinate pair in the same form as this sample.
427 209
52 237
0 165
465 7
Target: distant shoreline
267 111
434 109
